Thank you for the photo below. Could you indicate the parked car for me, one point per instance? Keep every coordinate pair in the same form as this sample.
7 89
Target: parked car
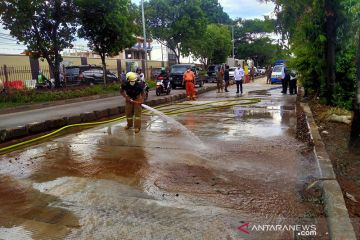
232 72
177 71
88 75
261 71
277 71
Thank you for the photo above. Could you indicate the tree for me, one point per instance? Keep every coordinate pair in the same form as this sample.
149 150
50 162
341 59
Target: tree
214 12
252 40
215 45
45 27
107 25
262 50
355 125
175 24
331 15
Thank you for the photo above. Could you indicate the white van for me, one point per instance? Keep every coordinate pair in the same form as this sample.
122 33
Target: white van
277 72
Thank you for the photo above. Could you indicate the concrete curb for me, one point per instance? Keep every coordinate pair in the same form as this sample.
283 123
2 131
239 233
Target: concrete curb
338 220
38 127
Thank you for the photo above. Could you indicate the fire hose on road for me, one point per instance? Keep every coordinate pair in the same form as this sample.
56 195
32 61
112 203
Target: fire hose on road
182 107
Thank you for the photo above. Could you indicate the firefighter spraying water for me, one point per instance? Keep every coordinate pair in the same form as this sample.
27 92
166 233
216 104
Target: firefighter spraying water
133 92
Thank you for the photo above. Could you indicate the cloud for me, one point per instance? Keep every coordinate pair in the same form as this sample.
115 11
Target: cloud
246 8
242 8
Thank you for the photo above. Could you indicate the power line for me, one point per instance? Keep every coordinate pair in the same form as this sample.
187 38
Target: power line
7 39
11 44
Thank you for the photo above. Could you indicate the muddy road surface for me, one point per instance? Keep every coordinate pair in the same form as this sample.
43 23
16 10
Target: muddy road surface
237 168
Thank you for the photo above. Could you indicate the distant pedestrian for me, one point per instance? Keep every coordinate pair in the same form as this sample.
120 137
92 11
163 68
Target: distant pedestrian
123 76
252 73
238 76
189 81
293 83
268 75
140 75
285 80
2 87
226 78
246 69
220 79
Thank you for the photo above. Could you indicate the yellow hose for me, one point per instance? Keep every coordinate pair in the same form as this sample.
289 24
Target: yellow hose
171 111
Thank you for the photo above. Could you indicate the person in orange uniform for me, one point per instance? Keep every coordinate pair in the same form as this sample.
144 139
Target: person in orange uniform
189 78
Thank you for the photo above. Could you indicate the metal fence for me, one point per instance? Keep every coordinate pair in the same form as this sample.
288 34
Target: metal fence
12 73
22 76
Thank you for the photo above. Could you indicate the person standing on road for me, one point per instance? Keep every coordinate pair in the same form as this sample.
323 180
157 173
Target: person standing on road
133 93
2 87
282 79
285 81
189 81
292 84
238 75
226 78
268 75
220 79
252 73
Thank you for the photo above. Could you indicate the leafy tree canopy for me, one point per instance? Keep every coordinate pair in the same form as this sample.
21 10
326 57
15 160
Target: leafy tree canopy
215 45
252 40
214 12
107 25
176 24
45 27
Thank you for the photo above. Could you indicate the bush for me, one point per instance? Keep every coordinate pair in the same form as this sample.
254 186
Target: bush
21 97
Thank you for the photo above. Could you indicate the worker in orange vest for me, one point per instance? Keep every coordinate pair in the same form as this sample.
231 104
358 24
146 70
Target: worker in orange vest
189 78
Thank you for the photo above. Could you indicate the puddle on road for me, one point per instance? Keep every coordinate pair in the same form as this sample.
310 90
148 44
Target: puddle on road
26 213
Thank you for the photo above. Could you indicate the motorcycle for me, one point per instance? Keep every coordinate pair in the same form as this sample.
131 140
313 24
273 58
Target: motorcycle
162 86
47 84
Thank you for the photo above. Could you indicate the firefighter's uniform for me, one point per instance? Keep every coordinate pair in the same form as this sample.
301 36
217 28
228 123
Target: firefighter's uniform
133 92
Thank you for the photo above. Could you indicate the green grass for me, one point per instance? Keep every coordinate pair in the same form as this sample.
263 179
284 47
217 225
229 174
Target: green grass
21 97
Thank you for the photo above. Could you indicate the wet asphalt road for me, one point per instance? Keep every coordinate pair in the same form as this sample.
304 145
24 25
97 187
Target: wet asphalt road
108 183
22 118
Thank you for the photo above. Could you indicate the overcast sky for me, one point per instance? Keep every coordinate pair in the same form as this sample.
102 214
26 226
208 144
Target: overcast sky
243 8
235 8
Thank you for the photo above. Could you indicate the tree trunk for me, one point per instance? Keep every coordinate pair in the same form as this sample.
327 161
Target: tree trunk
177 54
355 126
104 67
56 71
51 65
330 49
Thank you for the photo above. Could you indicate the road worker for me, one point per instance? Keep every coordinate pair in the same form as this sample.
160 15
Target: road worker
189 81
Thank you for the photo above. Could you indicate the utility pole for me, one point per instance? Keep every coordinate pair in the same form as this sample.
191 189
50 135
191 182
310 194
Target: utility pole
145 44
233 41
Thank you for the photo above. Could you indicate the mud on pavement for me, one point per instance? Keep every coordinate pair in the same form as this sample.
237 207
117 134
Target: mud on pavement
107 183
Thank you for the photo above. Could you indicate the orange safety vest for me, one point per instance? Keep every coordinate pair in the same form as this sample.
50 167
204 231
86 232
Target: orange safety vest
189 76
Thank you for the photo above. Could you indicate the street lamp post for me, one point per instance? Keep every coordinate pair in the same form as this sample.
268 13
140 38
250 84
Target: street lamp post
233 42
145 45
